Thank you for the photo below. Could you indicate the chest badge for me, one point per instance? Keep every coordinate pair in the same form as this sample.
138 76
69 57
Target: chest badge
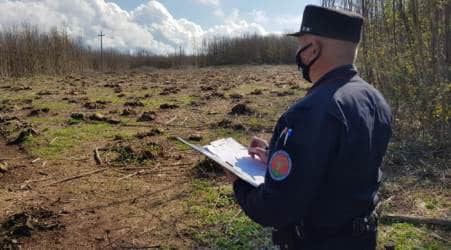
280 165
284 131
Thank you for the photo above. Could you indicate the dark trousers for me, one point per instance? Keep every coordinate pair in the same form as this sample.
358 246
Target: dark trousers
365 241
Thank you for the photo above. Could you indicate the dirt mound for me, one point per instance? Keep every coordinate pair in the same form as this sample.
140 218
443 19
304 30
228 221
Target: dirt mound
45 92
170 90
103 102
236 96
94 105
134 104
5 118
37 112
23 136
147 116
115 86
76 92
168 106
24 224
153 132
126 152
77 116
283 93
97 117
128 112
208 88
241 109
214 95
256 92
207 169
227 123
102 118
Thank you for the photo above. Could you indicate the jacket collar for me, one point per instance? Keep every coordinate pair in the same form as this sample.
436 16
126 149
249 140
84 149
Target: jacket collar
344 72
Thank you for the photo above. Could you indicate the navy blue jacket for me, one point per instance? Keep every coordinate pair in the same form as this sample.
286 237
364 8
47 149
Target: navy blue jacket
324 156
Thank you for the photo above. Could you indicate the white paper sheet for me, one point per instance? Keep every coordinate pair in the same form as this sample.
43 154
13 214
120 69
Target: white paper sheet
234 157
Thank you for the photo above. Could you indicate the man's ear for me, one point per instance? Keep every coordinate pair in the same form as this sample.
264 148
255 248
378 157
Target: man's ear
316 48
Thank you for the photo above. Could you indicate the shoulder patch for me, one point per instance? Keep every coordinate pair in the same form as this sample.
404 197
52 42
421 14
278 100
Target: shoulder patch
280 165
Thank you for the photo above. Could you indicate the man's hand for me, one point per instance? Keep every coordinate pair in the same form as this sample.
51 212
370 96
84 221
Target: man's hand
258 147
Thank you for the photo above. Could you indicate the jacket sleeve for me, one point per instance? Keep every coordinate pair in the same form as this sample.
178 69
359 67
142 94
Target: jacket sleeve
303 153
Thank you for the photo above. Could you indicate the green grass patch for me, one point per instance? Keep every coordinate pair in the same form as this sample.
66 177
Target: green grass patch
54 142
187 99
239 135
245 89
258 123
179 146
156 100
218 221
104 94
39 122
406 237
14 96
431 203
52 105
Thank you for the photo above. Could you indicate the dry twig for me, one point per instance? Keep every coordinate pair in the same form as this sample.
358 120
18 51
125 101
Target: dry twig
171 120
97 156
77 176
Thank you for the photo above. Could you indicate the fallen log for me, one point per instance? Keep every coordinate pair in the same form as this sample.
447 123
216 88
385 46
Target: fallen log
416 219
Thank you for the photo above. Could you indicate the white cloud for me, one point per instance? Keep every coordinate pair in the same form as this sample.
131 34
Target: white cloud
218 12
149 26
208 2
275 22
259 16
234 25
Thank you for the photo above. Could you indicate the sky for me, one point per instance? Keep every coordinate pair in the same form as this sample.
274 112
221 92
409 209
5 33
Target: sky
159 26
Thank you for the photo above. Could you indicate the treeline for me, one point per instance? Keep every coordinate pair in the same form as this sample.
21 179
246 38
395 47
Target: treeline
406 52
248 49
24 51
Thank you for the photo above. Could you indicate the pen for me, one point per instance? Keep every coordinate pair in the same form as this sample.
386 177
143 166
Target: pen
230 164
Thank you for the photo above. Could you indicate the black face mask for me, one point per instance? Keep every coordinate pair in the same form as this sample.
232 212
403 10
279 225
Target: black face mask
304 67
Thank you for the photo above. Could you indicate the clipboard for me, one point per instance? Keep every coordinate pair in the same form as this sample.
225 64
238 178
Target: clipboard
234 157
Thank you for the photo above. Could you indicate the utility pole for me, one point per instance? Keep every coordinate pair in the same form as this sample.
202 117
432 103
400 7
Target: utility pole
101 35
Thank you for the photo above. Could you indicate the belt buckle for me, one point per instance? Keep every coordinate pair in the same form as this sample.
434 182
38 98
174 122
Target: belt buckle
300 229
359 226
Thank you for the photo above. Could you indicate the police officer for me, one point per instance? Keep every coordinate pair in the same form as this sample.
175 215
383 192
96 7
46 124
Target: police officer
323 160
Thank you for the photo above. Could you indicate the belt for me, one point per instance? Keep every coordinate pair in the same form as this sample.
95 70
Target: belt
290 237
356 227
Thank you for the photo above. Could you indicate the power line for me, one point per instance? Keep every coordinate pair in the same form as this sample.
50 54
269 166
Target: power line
101 35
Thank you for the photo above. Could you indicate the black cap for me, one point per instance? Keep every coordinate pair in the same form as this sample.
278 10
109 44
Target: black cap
331 23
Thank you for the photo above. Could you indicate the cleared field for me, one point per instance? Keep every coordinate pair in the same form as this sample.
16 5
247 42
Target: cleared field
90 161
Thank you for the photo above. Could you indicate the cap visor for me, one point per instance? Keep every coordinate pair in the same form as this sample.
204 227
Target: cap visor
297 34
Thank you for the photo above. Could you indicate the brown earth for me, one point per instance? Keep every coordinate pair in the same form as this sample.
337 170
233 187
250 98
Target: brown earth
98 211
139 199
